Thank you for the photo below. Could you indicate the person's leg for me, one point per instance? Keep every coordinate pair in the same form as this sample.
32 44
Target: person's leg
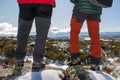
76 25
74 35
93 28
22 38
24 26
42 22
42 27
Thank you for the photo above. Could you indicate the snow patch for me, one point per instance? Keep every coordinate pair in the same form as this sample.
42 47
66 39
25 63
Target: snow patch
43 75
99 75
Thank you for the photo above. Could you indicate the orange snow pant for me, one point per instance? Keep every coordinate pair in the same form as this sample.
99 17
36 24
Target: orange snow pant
93 28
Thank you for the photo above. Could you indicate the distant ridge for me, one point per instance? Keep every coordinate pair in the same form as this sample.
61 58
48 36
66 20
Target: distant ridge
65 35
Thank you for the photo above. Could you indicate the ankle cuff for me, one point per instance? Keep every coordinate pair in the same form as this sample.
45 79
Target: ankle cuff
94 60
75 55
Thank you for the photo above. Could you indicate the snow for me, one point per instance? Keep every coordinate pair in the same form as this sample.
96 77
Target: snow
64 67
43 75
49 74
29 58
99 75
112 59
116 71
52 74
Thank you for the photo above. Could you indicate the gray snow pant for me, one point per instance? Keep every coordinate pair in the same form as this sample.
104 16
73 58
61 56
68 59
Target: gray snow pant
41 13
42 27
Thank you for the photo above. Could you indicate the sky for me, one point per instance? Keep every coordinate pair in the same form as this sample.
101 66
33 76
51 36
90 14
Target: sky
60 18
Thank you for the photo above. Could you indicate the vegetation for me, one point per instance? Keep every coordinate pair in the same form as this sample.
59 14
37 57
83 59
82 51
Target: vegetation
56 52
107 70
111 48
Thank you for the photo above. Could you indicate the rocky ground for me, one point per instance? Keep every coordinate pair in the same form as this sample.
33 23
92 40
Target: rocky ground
5 73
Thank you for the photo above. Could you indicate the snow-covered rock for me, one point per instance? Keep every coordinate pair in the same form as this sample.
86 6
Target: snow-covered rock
52 74
43 75
99 75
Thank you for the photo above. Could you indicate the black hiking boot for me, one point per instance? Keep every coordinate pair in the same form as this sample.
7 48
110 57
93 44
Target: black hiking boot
36 67
74 62
95 62
18 68
95 67
75 59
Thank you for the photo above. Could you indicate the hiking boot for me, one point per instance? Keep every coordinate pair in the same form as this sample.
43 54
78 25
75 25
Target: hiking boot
75 60
36 67
18 69
94 60
95 67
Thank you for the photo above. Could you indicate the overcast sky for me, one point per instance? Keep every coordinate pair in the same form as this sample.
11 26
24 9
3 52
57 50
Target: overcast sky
110 19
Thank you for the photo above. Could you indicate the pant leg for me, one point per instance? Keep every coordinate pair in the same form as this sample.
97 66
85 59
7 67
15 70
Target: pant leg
76 24
24 27
93 28
42 27
74 35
